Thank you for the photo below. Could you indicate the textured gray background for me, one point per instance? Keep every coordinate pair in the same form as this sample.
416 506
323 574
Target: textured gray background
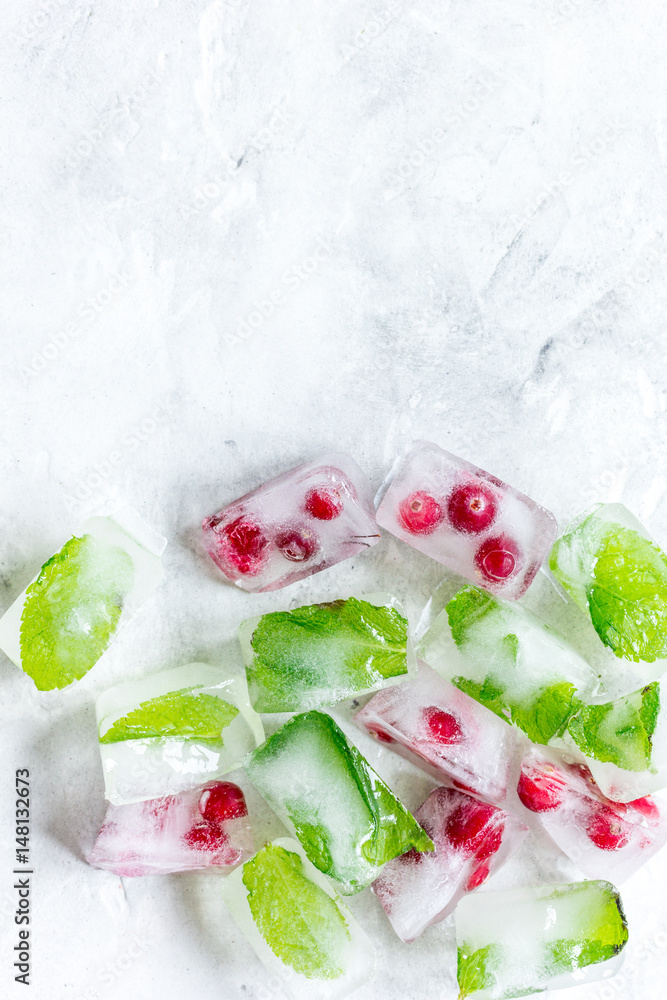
237 234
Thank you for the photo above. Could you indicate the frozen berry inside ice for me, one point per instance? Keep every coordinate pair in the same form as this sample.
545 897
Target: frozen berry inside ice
324 503
469 829
379 734
222 801
607 830
498 558
297 544
243 544
420 513
206 837
412 857
442 726
646 807
541 790
480 875
472 507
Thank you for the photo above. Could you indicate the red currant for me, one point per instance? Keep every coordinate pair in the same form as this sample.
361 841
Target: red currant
324 503
419 513
378 733
442 726
607 830
206 837
541 789
480 875
646 807
222 801
412 857
498 558
297 544
472 507
468 829
242 543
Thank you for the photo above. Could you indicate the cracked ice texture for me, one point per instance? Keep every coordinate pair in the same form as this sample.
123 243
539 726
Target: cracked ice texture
494 535
309 518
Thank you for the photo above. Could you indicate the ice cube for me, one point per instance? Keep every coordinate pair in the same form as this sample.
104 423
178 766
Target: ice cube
348 821
305 520
61 624
449 734
617 574
297 924
472 841
201 828
601 837
546 937
510 661
320 654
467 520
174 730
624 742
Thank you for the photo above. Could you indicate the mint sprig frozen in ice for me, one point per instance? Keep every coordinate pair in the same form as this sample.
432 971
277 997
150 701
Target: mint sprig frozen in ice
185 714
472 968
626 592
299 921
72 610
340 647
619 732
466 609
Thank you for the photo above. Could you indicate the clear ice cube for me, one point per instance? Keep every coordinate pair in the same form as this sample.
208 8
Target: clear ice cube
603 838
62 623
467 520
298 925
524 941
472 841
201 828
348 821
441 729
305 520
322 653
174 730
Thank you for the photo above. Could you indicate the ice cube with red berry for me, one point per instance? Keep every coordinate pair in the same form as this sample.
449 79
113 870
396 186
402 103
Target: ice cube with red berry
443 730
467 520
602 837
307 519
472 840
205 827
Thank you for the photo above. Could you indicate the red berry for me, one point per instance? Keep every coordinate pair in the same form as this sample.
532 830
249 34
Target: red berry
480 875
646 807
498 558
541 789
206 837
464 788
242 543
412 857
468 829
607 830
324 503
378 733
472 507
419 513
222 801
297 544
443 727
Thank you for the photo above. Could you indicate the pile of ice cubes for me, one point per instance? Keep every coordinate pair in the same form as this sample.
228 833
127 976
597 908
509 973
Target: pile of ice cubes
507 717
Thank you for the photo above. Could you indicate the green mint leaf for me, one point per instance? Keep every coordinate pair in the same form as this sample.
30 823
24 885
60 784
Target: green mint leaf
466 609
299 921
548 714
605 936
322 653
474 968
487 693
619 732
72 610
183 713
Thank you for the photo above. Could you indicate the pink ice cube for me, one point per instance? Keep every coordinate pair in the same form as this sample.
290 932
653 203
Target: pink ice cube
472 841
445 731
605 839
305 520
467 520
201 828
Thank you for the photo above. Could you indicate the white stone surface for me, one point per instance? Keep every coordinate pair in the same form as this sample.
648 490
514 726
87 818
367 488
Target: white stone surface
238 234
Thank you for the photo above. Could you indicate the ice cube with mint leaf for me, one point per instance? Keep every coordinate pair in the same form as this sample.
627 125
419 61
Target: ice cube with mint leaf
348 821
617 574
297 924
323 653
547 937
62 623
510 661
173 730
